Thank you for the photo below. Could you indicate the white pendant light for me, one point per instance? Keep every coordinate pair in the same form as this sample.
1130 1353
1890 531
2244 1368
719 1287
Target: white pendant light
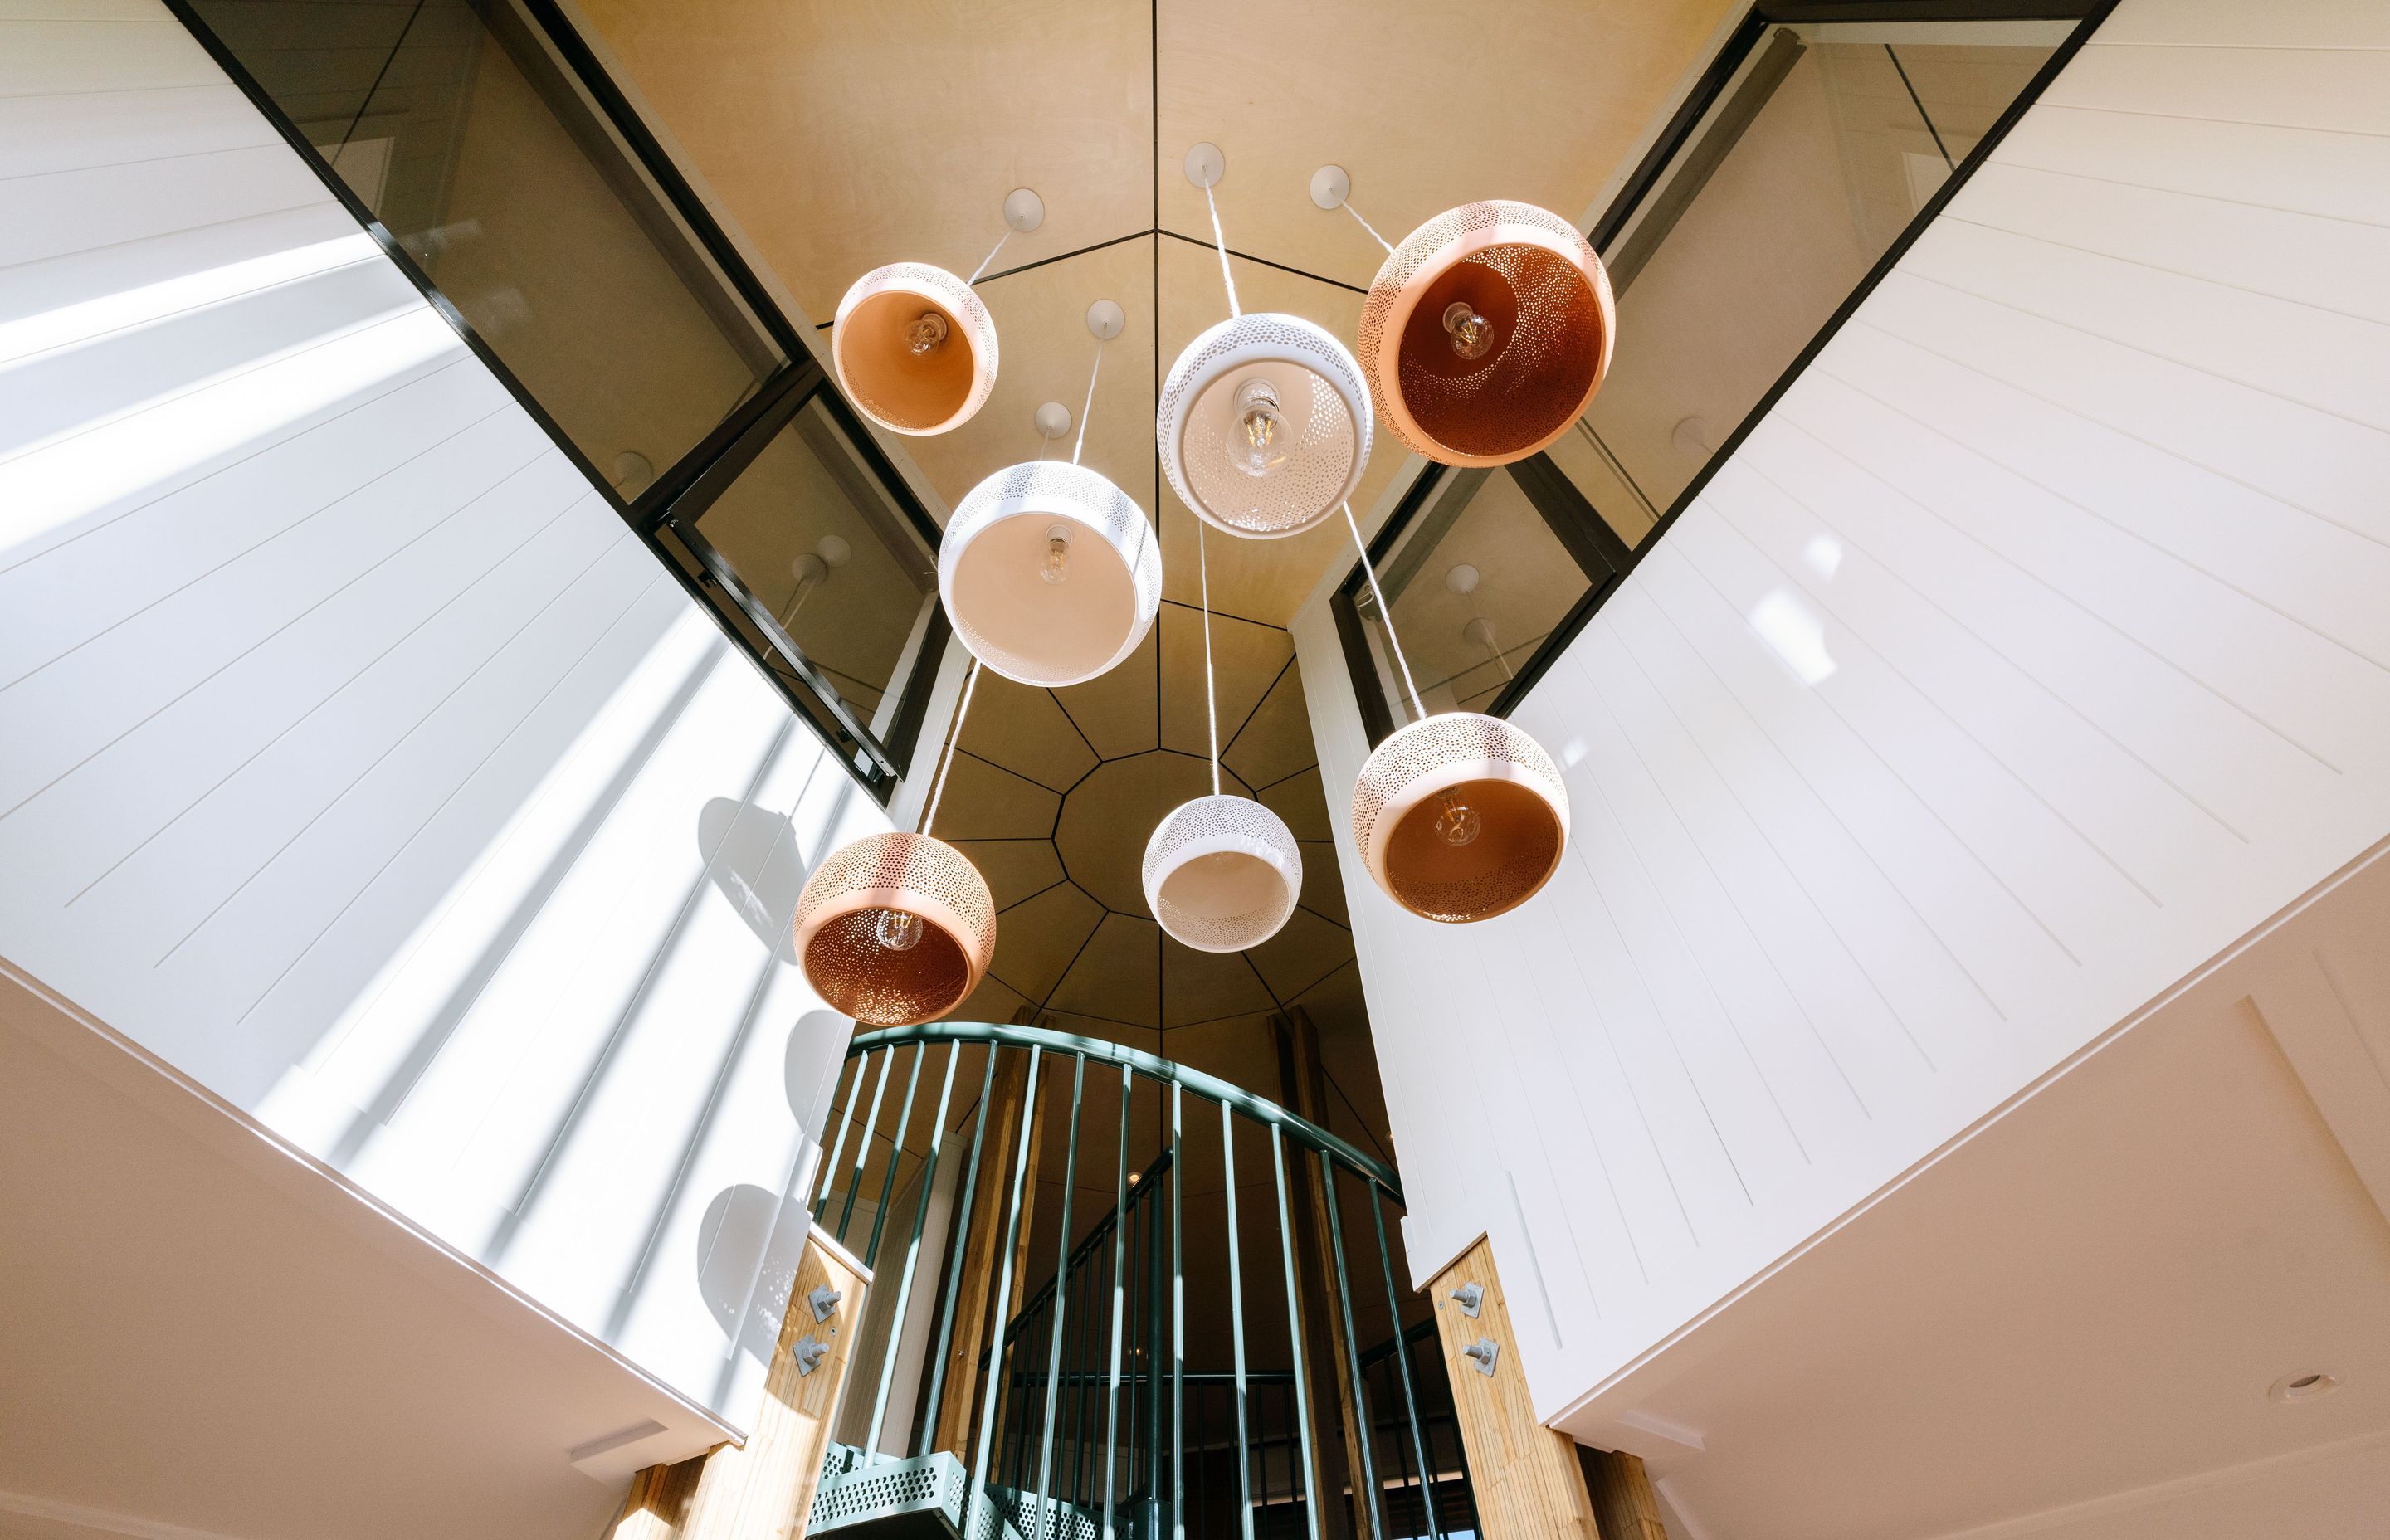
1459 816
898 928
913 347
1264 421
1221 873
1051 573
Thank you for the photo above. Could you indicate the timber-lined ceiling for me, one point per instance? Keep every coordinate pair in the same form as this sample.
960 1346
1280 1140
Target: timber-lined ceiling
835 136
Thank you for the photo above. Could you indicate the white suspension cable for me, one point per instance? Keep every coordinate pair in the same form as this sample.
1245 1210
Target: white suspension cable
954 745
1347 207
1211 690
1092 375
991 255
1385 615
1220 243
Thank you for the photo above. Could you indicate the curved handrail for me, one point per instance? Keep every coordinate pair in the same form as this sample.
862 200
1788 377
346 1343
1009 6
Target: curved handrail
1211 1087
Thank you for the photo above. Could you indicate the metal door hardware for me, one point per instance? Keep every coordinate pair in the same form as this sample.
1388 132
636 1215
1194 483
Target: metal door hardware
808 1353
824 1299
1484 1350
1470 1298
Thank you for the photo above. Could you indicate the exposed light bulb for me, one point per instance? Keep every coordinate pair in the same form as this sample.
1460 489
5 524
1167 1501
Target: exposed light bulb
897 931
925 333
1472 335
1456 823
1056 567
1260 439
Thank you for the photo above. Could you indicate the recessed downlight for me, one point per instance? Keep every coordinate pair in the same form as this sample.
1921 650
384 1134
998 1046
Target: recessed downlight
2306 1385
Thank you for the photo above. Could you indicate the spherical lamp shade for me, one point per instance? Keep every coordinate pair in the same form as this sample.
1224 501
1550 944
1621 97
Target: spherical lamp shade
895 929
914 348
1051 573
1486 333
1461 817
1265 426
1222 873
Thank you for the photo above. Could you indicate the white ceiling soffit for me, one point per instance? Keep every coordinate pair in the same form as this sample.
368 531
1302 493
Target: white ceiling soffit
2070 1323
204 1333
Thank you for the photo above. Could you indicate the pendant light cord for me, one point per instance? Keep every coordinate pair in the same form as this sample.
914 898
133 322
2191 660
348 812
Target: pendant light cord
954 745
1347 207
1385 616
1220 244
1211 688
989 258
1092 376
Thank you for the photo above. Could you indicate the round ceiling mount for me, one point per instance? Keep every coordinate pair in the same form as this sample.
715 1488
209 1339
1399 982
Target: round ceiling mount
1331 186
1265 425
1222 873
914 348
1049 572
1460 816
2304 1386
1486 333
1105 319
1053 419
895 928
1023 210
1207 166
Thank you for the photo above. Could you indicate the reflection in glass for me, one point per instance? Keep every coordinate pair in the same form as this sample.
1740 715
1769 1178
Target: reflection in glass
811 533
457 125
1827 143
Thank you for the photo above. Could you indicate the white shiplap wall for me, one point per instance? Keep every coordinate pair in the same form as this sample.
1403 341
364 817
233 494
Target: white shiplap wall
2033 649
354 756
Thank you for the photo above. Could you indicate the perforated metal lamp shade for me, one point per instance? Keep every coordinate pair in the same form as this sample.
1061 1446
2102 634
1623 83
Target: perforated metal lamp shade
1553 321
1323 395
838 926
1222 873
1485 765
1015 622
903 391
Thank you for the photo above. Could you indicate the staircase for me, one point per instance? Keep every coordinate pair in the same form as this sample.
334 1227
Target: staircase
1116 1297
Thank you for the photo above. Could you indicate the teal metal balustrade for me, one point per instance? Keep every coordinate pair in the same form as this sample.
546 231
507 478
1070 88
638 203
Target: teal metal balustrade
1162 1369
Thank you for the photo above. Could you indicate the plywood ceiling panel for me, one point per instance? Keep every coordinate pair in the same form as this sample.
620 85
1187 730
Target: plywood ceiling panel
1247 659
1118 975
1022 729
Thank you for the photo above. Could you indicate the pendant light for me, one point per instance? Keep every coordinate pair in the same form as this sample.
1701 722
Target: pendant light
1051 573
897 928
1264 421
913 346
1221 873
1459 816
1486 331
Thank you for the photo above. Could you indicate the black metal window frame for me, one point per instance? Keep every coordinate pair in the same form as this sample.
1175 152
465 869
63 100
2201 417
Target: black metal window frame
1598 552
664 514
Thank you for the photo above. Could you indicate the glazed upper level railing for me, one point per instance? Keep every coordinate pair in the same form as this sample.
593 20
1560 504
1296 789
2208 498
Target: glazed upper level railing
1116 1373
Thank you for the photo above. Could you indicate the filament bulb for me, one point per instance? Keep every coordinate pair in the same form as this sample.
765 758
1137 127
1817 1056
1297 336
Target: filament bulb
1260 440
897 931
1054 568
1472 335
925 334
1456 823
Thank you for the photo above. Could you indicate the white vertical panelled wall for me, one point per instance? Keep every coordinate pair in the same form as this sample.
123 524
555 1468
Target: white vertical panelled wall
2033 649
354 757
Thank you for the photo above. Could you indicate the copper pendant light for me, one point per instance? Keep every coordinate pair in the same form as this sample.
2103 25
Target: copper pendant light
897 928
1459 816
1222 873
1486 331
913 347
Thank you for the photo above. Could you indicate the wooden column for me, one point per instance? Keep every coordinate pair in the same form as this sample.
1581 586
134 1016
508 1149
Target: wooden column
658 1505
1326 1362
764 1490
1528 1481
982 1235
1623 1498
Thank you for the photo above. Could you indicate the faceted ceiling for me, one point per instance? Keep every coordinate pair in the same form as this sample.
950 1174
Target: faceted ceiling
833 137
